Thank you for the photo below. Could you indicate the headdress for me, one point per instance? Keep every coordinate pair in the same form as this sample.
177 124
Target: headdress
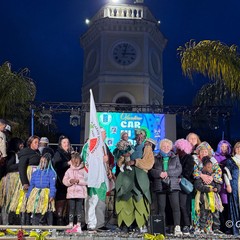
221 143
183 145
204 145
151 141
139 131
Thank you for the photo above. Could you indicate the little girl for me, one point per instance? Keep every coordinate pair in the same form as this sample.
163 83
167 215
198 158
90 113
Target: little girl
42 191
76 191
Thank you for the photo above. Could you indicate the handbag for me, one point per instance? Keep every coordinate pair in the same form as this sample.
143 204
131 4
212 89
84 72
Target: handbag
166 184
186 185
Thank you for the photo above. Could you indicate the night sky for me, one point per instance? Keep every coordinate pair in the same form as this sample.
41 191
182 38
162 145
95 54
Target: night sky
44 36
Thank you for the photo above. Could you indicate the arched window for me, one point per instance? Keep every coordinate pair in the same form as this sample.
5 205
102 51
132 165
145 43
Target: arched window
122 101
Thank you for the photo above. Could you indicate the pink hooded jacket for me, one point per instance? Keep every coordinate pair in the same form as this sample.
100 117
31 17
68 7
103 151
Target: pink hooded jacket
75 190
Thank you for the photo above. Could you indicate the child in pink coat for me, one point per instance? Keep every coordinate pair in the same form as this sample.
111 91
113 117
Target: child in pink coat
76 191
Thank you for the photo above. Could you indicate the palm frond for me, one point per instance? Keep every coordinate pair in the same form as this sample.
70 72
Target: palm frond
16 88
212 59
214 94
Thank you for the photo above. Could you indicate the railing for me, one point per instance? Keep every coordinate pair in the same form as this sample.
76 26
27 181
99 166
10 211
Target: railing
123 11
128 11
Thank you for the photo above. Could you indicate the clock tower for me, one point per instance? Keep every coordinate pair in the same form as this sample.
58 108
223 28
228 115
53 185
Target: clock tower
123 49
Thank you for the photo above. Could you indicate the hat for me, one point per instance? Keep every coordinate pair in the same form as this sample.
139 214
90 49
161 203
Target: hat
183 145
151 141
206 146
44 140
8 128
139 131
123 133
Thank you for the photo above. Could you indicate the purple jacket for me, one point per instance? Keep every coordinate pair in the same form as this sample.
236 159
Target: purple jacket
221 158
78 190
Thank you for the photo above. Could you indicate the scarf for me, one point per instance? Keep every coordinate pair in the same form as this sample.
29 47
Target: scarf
165 157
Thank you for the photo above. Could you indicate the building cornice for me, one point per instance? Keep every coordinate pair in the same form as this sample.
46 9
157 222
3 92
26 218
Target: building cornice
122 25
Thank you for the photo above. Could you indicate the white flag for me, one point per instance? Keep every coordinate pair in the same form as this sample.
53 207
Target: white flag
96 169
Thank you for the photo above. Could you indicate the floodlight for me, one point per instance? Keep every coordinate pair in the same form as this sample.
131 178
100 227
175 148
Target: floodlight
75 118
45 117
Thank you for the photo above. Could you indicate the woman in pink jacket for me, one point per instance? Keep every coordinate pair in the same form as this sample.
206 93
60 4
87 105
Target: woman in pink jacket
76 191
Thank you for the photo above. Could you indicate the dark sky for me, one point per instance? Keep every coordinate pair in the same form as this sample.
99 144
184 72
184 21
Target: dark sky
43 35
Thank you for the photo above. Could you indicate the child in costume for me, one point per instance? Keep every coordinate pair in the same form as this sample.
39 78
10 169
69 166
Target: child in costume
207 200
123 147
42 191
76 191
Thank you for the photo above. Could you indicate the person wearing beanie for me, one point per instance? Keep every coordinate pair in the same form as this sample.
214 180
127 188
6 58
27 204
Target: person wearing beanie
42 191
44 146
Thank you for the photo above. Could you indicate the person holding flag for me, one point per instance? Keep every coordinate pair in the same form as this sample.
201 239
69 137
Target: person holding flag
95 157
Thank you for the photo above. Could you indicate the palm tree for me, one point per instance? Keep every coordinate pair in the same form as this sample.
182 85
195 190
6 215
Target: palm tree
214 60
17 89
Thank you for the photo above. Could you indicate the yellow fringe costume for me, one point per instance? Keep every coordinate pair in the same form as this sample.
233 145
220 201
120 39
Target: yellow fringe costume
38 201
11 190
212 201
18 199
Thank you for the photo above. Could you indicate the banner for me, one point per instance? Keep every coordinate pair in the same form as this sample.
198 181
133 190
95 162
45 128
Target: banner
96 169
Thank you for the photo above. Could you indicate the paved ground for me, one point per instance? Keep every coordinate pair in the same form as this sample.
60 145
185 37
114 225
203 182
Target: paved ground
133 236
117 235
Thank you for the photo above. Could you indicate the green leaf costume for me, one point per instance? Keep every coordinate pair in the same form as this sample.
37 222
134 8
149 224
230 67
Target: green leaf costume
133 196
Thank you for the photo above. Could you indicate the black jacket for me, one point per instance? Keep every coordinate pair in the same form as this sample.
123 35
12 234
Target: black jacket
174 172
60 162
187 163
27 157
204 188
11 165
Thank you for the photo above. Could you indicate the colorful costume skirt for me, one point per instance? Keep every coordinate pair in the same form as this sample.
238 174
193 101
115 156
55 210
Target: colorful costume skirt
11 189
38 201
2 191
18 199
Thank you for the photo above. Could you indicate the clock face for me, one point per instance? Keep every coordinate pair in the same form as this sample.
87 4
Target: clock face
124 53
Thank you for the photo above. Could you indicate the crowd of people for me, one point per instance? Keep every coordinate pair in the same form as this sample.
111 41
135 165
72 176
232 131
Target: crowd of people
195 189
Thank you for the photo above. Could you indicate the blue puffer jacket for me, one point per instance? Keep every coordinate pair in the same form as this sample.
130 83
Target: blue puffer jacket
43 179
